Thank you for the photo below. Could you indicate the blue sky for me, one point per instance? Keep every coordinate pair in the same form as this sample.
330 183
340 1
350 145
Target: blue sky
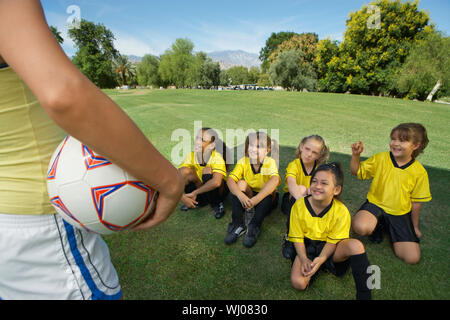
151 26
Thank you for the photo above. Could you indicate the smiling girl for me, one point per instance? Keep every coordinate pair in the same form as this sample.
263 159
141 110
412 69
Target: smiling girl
320 227
253 184
399 186
205 173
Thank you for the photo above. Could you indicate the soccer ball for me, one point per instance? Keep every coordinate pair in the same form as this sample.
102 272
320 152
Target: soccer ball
93 194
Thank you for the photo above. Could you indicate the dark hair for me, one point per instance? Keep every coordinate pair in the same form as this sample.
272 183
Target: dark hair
414 132
336 169
324 152
220 146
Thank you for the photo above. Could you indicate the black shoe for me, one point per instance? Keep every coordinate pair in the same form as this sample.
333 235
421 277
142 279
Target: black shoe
377 235
233 233
251 236
288 249
219 211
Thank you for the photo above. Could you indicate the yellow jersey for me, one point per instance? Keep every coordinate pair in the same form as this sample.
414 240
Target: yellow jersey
297 170
28 138
216 162
394 188
331 225
255 179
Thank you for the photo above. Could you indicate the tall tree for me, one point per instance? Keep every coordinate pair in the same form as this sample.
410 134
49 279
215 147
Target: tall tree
370 57
95 53
291 71
148 72
124 69
426 67
177 62
272 43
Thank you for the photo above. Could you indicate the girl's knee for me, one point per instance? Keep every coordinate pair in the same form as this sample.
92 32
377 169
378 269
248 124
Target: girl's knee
410 257
299 283
407 252
242 184
355 246
361 228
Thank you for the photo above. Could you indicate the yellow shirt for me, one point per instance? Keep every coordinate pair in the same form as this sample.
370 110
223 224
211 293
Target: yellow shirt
393 188
331 225
216 162
28 138
297 170
255 180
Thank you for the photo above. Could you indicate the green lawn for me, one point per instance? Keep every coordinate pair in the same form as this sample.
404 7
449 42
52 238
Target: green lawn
186 258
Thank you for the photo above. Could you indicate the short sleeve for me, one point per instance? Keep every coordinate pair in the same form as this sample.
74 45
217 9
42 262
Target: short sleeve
187 162
367 169
238 171
218 165
296 233
271 169
291 170
341 227
421 191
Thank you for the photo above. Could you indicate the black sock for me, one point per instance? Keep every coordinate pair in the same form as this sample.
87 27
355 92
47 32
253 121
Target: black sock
359 264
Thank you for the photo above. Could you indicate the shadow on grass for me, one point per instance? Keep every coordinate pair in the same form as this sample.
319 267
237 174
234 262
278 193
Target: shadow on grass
186 258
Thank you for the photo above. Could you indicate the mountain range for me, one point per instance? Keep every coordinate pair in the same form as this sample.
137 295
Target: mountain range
226 59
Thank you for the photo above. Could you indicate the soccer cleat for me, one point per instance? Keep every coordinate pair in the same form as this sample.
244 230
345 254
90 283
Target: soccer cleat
219 210
251 236
288 249
233 233
184 208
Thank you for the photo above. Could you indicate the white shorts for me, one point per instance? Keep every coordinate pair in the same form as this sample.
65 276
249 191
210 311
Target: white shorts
45 258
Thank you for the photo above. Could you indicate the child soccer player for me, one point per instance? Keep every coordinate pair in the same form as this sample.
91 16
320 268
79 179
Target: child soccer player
205 174
252 183
320 227
311 152
399 186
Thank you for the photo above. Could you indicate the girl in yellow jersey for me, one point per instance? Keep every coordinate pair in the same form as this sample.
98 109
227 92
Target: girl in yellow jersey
205 173
253 184
311 152
399 187
319 229
43 97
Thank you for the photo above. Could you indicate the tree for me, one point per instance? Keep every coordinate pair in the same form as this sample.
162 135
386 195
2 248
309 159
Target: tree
272 43
264 80
426 67
305 42
95 53
238 75
148 73
209 74
253 75
124 69
177 63
369 59
326 50
291 71
57 34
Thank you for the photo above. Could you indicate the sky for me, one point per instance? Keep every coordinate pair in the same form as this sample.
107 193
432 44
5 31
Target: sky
150 27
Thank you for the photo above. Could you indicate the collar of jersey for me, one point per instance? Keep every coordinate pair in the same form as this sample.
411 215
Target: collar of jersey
253 169
311 210
396 164
304 169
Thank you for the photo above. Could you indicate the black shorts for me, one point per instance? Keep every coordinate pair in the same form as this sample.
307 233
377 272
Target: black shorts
313 250
400 228
287 203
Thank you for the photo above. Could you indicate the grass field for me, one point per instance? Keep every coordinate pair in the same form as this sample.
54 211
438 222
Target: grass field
186 258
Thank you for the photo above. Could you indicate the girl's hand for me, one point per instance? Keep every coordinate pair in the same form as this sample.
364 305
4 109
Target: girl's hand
315 265
357 148
188 201
306 266
418 233
245 201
